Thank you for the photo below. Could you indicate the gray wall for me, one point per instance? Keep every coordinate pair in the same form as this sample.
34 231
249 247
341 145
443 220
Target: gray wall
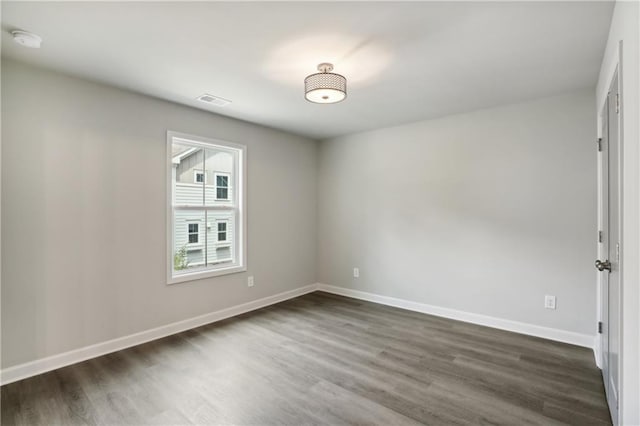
84 205
484 212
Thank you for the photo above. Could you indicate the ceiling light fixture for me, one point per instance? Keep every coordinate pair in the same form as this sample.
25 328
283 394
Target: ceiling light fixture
26 39
325 87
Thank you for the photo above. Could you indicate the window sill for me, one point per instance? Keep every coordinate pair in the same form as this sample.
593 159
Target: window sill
198 275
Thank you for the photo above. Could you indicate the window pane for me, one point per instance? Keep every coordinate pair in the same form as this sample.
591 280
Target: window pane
187 163
189 240
219 166
221 247
222 193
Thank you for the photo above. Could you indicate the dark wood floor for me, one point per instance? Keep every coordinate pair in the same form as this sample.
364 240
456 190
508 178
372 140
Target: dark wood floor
322 359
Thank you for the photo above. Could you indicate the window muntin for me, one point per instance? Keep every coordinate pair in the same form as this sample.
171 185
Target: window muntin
206 222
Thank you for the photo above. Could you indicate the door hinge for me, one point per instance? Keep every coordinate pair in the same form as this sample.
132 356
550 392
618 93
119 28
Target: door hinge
599 327
617 103
599 142
600 236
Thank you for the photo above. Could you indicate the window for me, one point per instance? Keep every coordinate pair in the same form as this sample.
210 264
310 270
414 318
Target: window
192 231
199 176
222 253
222 231
222 187
206 237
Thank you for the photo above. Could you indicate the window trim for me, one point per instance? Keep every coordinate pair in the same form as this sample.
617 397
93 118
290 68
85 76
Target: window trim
238 181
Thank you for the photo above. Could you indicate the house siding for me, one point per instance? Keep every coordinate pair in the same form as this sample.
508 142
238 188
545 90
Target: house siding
216 250
191 194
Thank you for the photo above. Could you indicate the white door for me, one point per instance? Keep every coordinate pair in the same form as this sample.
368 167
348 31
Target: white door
608 262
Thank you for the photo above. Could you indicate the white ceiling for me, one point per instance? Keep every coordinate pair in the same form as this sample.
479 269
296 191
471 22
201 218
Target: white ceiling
404 61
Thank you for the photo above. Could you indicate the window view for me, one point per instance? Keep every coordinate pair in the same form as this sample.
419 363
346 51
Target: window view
206 208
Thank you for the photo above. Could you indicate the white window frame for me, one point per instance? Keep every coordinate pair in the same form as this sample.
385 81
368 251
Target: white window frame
215 178
197 172
197 233
226 231
236 204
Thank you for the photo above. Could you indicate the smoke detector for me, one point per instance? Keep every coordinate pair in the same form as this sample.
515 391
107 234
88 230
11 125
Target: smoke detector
213 100
27 39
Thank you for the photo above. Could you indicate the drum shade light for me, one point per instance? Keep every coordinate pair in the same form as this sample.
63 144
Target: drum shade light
325 87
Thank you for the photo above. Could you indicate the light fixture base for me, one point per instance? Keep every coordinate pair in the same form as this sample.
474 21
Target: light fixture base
27 39
325 67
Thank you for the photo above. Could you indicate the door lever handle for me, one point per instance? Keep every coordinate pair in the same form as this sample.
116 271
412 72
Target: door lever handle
601 266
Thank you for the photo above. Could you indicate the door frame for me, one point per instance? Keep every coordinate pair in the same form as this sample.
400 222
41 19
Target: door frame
602 216
602 250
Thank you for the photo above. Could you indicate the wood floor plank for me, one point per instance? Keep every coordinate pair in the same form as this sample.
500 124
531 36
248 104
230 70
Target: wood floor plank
322 359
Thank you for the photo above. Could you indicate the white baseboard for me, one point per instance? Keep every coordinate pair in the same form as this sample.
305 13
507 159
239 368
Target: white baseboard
22 371
578 339
597 348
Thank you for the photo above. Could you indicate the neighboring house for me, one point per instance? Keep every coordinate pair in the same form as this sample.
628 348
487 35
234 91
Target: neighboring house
203 235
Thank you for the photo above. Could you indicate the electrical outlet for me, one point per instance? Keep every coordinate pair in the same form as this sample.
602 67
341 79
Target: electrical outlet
550 302
250 281
356 272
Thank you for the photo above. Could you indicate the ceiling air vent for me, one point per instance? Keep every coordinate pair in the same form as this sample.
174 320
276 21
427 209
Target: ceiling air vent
213 100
